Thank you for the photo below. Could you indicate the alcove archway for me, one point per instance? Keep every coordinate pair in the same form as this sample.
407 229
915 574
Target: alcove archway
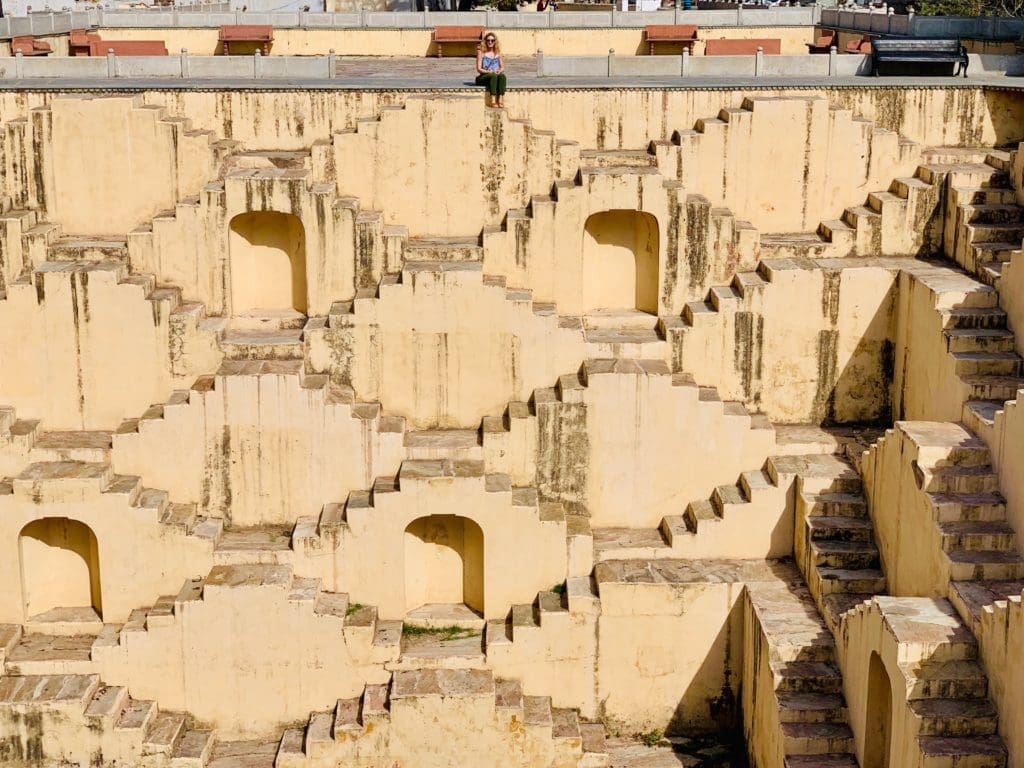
60 566
620 261
268 263
444 562
878 717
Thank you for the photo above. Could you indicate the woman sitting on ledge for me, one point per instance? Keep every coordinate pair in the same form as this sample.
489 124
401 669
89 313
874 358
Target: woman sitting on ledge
490 67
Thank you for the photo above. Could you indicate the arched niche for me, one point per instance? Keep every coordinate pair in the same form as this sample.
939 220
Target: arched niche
268 263
878 717
620 261
60 566
444 562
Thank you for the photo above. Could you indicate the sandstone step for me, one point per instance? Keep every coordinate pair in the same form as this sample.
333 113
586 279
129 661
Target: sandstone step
443 443
261 344
968 174
537 711
996 232
806 677
835 504
991 213
39 654
811 707
983 411
193 749
985 565
962 751
967 195
1005 364
619 320
85 248
77 446
840 529
958 505
868 580
74 691
995 535
137 716
955 717
603 158
999 251
253 753
816 738
975 317
438 248
819 473
960 479
109 703
164 733
849 555
565 723
964 679
979 340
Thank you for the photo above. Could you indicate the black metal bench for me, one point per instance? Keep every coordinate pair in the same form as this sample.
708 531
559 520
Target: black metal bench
911 51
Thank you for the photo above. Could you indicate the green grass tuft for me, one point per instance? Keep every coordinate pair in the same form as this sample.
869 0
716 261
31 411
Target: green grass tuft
353 608
444 633
652 738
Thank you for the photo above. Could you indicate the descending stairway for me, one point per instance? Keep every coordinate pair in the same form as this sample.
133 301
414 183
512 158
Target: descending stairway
946 689
106 718
345 731
809 707
984 225
834 543
46 480
907 219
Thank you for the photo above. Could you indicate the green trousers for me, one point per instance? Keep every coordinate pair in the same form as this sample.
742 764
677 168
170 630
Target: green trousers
495 83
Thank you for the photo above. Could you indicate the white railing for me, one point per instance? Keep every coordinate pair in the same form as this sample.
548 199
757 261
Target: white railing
206 16
884 21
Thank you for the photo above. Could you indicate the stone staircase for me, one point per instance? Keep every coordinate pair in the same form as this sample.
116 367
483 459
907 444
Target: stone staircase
106 718
834 543
809 708
68 481
984 225
366 725
359 627
980 343
549 612
954 471
946 688
907 219
206 399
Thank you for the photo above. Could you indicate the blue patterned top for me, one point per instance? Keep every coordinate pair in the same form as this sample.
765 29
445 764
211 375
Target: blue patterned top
490 62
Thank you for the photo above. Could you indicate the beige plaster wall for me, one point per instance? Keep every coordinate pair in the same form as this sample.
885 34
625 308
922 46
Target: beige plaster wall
466 167
647 677
926 386
84 348
633 447
444 348
139 163
417 42
908 539
259 448
370 562
828 362
139 558
1000 633
227 659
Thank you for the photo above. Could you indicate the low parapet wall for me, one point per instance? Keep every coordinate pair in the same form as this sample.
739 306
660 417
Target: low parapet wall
758 65
913 25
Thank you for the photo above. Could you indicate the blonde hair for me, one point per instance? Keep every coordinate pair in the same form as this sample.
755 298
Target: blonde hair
483 44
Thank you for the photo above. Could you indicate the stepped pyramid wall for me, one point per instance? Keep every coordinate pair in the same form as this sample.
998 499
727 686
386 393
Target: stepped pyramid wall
381 428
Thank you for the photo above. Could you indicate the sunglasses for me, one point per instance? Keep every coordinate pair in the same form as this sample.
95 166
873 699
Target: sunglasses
488 39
